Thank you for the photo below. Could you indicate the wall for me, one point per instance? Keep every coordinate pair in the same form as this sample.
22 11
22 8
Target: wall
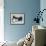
28 7
1 20
43 6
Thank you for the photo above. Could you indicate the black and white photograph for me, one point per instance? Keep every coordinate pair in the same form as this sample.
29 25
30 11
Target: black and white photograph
17 18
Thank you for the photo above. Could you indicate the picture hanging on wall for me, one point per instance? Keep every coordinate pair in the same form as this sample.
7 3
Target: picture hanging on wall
17 18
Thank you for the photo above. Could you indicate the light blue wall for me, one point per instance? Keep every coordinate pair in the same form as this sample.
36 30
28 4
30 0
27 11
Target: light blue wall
28 7
43 6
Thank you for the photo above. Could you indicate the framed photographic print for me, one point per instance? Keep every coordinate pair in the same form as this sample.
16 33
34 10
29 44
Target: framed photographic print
17 18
